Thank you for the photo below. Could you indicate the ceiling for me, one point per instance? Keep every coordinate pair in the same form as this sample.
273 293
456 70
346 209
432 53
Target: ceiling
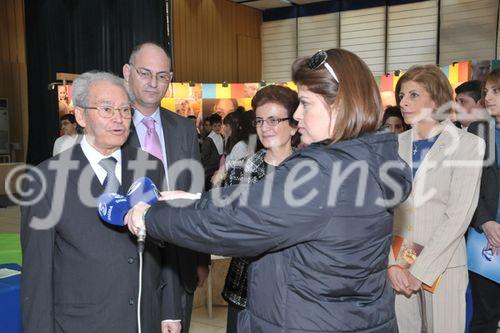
268 4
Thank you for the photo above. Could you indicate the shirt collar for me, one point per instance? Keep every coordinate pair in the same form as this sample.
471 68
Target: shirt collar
138 117
94 156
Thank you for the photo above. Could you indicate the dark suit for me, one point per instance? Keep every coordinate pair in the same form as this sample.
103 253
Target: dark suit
179 263
486 293
81 275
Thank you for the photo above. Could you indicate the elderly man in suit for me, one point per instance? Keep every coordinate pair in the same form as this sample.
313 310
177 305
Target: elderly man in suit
79 273
171 138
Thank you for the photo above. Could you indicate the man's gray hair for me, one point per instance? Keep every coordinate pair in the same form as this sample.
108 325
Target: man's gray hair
82 84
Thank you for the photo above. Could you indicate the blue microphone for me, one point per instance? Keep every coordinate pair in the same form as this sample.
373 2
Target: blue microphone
143 189
113 207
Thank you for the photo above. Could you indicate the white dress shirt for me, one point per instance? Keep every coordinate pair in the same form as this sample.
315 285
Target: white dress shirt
95 157
218 140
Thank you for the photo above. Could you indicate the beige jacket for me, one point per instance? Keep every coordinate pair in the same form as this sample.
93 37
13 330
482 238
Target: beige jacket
443 199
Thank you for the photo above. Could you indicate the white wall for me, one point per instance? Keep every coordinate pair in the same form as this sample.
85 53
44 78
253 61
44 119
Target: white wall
279 49
362 32
411 35
468 30
318 32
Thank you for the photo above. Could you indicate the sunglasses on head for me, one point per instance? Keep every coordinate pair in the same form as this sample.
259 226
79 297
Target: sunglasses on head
318 59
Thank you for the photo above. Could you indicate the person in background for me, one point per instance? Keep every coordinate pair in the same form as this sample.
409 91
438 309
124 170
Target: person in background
393 119
70 128
236 134
485 292
470 105
206 127
274 107
433 220
320 262
212 149
240 109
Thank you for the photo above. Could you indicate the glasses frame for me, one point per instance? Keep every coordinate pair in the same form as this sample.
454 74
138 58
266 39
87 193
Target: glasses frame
256 122
149 77
318 59
102 113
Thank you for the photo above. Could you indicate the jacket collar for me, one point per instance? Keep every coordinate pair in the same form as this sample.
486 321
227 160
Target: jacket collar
442 148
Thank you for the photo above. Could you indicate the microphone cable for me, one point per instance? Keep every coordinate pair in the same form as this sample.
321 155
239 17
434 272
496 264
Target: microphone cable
141 236
140 292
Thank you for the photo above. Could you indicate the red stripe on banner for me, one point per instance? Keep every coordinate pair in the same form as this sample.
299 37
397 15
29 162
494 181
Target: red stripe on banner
386 82
464 71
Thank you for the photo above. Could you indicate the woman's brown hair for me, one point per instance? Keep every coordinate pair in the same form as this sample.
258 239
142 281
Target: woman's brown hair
355 97
433 80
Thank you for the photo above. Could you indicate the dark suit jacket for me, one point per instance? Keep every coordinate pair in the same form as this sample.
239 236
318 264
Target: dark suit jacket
210 159
181 142
490 181
81 275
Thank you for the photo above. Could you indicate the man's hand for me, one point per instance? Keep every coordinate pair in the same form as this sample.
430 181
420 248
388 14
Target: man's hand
135 218
171 327
492 231
202 274
399 279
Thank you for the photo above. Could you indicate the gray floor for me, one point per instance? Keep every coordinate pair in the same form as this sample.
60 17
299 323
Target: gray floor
200 323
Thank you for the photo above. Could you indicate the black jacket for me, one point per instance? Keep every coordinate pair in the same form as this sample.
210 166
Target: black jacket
490 180
179 264
81 275
324 243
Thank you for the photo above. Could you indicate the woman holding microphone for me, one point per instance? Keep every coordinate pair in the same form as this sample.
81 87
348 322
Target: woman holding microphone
320 225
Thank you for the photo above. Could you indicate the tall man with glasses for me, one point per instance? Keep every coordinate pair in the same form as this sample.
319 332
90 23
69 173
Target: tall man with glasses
80 274
171 138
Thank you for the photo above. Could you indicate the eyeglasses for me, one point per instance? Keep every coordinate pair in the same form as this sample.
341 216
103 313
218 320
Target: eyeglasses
318 59
147 75
271 121
108 112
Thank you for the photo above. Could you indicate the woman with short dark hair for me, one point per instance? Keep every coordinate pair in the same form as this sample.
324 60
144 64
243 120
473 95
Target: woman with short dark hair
273 120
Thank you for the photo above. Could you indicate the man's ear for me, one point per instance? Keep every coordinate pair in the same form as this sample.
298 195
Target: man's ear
80 117
126 71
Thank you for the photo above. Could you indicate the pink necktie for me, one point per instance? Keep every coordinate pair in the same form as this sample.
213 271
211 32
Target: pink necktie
151 139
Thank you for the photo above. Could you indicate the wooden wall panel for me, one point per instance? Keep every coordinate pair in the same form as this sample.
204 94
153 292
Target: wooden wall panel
249 58
205 43
13 73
